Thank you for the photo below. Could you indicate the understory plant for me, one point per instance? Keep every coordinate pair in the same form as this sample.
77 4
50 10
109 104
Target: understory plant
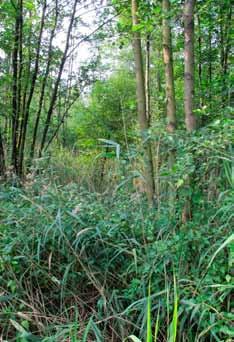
75 264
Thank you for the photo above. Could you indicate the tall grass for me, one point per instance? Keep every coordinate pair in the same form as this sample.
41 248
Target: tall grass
76 260
75 265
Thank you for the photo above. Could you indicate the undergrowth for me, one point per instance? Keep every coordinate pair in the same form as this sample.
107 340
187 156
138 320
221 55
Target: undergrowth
72 260
78 265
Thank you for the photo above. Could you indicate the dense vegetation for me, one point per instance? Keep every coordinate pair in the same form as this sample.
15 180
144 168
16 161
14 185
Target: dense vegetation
116 171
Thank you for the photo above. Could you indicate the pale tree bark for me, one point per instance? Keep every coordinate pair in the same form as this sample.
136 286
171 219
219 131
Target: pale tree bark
141 106
168 62
190 119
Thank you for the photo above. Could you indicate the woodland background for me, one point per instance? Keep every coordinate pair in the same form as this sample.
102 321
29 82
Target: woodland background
116 170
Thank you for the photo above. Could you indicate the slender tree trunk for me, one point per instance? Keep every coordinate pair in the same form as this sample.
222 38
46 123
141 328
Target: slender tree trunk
190 119
6 130
32 88
20 77
210 63
55 90
20 71
15 113
170 93
141 103
159 77
200 62
44 82
61 121
228 28
158 72
2 157
26 79
222 51
225 46
168 62
147 78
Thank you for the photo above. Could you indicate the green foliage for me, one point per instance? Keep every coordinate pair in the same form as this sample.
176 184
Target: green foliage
109 114
76 264
78 244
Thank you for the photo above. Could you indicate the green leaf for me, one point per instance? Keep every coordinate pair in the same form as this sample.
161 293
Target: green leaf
224 244
138 27
87 329
179 183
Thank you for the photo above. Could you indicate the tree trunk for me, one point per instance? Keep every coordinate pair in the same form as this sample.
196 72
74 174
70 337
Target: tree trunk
141 105
190 119
61 121
32 88
15 111
27 77
210 63
200 62
44 81
170 94
168 62
225 46
147 78
2 158
57 82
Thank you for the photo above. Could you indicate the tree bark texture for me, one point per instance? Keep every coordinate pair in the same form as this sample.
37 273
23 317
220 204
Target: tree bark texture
190 119
141 106
168 62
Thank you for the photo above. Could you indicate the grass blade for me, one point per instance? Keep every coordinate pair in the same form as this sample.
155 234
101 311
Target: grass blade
157 326
149 330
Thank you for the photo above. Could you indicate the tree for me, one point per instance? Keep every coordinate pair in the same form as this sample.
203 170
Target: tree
141 105
44 81
16 77
168 62
190 119
147 77
2 157
58 79
31 91
109 113
225 20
